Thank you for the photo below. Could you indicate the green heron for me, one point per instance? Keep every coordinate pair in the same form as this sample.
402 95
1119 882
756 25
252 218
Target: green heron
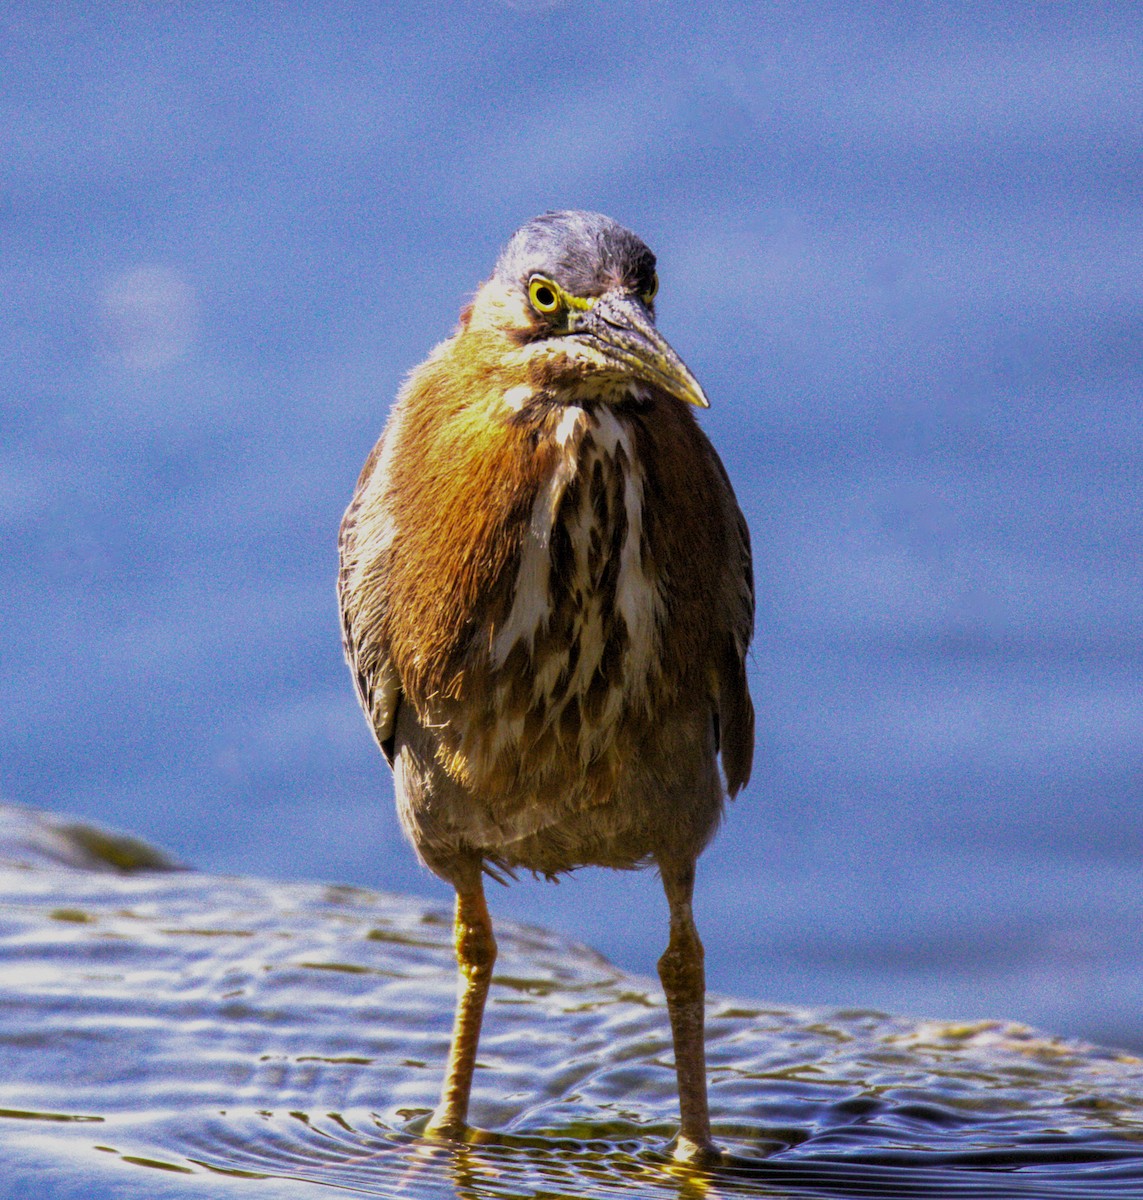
547 598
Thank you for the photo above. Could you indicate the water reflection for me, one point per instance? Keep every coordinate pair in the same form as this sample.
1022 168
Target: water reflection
159 1027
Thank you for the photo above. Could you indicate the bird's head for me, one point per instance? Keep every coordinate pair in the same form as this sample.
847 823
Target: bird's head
571 306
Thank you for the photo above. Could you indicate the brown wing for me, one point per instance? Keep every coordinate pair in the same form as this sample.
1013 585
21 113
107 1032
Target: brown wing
430 537
735 708
701 545
363 548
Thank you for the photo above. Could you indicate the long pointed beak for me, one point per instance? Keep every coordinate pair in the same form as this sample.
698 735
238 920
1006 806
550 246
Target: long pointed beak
620 326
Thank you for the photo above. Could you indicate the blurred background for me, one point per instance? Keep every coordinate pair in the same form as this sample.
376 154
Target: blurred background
901 246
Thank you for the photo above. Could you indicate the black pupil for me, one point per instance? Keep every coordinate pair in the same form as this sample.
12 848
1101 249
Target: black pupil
545 297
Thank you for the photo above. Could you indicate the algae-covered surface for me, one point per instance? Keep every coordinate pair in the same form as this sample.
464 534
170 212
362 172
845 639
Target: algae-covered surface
167 1033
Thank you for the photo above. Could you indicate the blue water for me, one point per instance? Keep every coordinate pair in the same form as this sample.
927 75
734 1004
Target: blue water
903 252
170 1033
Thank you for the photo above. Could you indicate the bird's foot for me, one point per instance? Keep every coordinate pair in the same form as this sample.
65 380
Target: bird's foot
443 1127
703 1155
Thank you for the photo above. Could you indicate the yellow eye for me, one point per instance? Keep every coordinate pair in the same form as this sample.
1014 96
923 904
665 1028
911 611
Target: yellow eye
653 290
543 295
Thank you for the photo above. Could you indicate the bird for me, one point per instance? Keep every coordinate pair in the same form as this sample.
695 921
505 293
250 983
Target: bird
547 598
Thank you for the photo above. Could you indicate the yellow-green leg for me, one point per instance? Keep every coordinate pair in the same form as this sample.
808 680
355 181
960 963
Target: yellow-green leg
684 982
475 957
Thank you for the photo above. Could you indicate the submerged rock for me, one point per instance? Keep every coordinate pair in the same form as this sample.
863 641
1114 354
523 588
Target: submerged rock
31 838
164 1029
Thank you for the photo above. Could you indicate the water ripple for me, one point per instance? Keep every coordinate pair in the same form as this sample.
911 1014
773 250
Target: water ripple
161 1025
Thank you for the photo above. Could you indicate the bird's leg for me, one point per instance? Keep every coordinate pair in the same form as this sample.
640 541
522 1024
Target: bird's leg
684 982
475 956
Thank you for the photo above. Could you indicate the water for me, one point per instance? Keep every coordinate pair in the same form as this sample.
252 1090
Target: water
171 1033
902 248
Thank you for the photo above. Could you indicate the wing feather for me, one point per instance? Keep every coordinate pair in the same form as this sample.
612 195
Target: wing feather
364 543
735 708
